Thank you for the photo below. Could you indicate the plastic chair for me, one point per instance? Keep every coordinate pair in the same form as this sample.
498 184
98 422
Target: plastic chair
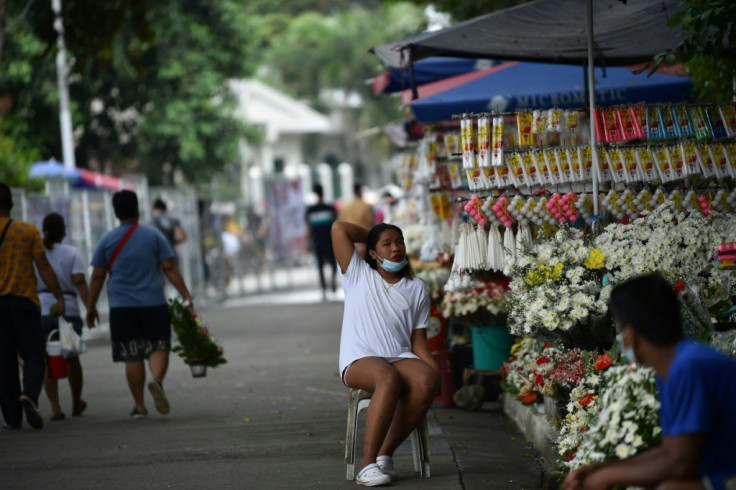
359 401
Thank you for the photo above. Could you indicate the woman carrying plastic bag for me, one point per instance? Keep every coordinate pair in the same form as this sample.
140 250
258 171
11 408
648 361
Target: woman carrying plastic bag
69 268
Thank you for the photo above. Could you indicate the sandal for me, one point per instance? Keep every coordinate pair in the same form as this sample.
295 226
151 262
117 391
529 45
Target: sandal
77 411
58 416
138 415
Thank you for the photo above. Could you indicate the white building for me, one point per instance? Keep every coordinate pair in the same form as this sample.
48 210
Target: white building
284 122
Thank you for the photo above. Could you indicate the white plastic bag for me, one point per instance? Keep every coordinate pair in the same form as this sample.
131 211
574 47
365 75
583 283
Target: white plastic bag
71 343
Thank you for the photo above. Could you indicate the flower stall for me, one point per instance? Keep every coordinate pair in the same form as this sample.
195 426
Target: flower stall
553 250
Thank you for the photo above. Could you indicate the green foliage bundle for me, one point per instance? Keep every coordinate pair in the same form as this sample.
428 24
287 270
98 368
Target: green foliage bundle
196 344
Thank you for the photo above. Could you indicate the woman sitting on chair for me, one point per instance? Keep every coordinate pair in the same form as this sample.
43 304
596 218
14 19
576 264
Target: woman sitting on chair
383 346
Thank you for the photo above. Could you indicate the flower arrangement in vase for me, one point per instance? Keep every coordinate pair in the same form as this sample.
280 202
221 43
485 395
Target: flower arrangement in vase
196 344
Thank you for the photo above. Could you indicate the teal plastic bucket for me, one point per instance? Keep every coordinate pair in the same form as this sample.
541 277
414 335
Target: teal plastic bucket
491 347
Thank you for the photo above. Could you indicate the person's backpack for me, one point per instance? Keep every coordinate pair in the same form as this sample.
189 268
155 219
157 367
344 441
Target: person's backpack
167 227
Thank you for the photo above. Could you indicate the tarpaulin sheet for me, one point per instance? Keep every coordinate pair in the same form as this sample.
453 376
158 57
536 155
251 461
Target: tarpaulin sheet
522 85
552 31
428 70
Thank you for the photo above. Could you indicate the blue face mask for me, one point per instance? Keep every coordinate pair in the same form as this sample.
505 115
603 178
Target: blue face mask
627 352
389 265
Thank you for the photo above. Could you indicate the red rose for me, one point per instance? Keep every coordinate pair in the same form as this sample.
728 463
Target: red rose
528 397
547 345
571 456
543 360
585 429
679 286
602 362
586 400
539 380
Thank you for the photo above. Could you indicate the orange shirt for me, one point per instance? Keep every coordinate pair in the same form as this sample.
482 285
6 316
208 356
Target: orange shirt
21 244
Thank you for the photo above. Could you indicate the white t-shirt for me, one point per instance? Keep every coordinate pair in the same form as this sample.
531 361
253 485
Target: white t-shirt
65 260
379 320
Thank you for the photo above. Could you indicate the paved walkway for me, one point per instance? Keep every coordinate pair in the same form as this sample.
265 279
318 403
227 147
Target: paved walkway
272 418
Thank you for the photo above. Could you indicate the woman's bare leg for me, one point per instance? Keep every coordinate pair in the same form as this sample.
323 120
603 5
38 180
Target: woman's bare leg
420 387
379 377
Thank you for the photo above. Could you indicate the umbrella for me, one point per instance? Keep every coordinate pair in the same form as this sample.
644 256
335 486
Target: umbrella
520 85
52 169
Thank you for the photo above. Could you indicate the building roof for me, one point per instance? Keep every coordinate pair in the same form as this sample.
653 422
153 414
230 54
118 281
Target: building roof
263 105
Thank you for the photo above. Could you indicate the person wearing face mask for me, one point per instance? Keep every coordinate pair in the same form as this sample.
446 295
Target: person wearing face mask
698 403
383 345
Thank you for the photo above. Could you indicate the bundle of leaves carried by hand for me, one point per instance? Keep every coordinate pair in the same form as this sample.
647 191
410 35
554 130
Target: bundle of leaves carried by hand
196 344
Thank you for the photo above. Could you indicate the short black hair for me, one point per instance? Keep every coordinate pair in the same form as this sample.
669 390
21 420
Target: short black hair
125 204
649 304
318 189
159 204
6 197
54 230
357 188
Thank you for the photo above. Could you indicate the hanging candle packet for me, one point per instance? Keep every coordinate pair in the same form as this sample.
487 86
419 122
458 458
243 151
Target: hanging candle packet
690 157
554 120
666 122
678 165
466 127
452 145
530 169
627 123
456 178
664 167
728 115
489 177
554 169
517 170
729 152
524 125
682 121
576 167
615 160
563 162
585 155
653 123
503 175
497 142
604 166
700 123
717 127
475 179
707 164
639 114
572 121
540 164
484 141
631 167
646 164
539 121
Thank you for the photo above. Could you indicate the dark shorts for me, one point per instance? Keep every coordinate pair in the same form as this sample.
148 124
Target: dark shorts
135 332
51 323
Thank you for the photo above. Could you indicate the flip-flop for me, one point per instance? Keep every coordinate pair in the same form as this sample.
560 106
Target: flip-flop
33 418
76 412
58 416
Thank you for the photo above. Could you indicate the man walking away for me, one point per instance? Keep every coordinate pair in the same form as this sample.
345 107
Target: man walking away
357 211
134 256
319 219
20 329
168 225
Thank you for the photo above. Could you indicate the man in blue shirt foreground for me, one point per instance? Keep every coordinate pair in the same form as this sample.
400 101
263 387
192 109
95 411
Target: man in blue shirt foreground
134 257
697 391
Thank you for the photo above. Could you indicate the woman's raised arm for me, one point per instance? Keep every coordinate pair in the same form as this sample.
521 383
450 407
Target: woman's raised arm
344 237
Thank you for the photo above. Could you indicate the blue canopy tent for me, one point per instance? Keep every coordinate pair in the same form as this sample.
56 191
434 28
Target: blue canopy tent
520 85
76 177
428 70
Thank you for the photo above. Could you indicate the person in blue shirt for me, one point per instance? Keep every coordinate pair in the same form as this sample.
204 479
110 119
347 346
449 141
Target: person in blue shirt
697 391
134 256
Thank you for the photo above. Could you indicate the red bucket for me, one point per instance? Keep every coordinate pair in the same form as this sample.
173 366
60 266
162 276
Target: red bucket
55 362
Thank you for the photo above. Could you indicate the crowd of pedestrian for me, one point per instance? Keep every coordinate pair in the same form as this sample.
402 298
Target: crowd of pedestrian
42 280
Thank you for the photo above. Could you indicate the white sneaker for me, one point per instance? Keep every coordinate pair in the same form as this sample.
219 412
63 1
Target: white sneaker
386 463
372 476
